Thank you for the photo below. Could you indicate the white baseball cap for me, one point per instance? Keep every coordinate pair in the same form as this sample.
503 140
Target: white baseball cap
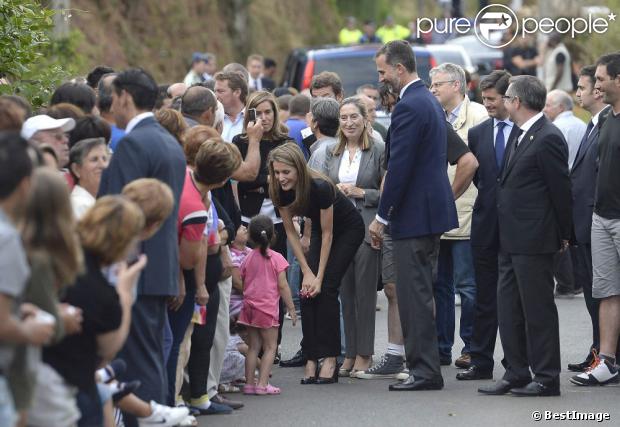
45 122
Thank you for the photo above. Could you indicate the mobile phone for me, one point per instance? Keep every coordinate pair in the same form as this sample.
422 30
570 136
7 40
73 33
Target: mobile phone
133 258
251 114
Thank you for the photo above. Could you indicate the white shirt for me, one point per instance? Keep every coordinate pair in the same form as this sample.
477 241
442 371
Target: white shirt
256 83
527 125
402 91
573 130
81 201
507 129
232 128
349 168
133 122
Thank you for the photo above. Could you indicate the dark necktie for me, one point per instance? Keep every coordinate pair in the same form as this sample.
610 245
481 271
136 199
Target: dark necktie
500 144
514 145
585 137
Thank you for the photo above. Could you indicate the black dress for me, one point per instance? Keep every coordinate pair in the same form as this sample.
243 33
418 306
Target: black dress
321 314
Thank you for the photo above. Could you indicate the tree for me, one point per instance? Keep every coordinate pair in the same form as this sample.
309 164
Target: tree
26 66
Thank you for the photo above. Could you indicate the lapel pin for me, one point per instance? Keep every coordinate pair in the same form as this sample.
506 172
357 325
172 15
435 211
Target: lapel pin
531 137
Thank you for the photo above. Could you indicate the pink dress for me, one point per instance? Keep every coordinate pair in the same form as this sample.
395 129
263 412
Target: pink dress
260 289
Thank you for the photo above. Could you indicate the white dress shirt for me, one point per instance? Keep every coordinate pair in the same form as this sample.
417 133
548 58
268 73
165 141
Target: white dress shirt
349 168
573 130
137 119
232 127
527 125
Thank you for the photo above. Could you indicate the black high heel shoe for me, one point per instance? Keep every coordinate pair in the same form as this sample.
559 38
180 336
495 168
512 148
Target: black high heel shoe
311 380
330 380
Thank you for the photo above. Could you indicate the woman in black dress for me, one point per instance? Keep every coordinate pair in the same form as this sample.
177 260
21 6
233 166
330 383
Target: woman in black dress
337 232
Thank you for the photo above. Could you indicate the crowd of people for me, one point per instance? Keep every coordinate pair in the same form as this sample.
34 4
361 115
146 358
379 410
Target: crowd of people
156 238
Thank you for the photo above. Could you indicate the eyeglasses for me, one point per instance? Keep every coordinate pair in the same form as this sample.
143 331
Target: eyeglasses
437 84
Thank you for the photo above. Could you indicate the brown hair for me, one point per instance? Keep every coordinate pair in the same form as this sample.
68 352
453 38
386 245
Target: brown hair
290 154
235 81
109 227
154 198
193 139
325 79
65 110
278 131
216 161
48 226
173 122
366 142
11 116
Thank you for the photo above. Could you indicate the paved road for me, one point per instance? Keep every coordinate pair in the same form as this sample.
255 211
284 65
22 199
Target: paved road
368 402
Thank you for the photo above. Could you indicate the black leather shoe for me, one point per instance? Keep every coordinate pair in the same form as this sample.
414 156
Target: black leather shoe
412 384
501 387
535 389
474 373
295 361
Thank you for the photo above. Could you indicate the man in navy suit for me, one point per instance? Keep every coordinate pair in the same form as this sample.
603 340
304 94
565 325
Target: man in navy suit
487 141
583 181
417 201
147 151
535 222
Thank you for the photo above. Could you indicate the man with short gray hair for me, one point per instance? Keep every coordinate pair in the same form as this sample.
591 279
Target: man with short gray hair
559 109
324 122
534 216
198 105
455 274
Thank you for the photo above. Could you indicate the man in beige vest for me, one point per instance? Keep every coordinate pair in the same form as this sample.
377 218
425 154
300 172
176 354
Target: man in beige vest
455 265
557 65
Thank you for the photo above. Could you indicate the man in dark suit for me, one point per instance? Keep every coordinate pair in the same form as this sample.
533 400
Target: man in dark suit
147 151
583 180
256 79
487 141
534 213
417 201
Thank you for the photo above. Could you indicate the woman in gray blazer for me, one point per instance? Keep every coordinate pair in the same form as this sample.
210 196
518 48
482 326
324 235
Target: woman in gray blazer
355 164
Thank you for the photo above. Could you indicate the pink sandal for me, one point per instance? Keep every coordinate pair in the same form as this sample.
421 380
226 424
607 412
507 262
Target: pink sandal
268 389
249 389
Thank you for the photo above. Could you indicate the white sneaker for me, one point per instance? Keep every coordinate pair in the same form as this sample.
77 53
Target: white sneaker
602 372
164 416
190 420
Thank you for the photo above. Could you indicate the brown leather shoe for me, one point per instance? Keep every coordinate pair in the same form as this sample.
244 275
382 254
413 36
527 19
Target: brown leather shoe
463 362
218 398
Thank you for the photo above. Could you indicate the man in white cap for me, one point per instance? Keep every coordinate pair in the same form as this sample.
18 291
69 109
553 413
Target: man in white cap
43 129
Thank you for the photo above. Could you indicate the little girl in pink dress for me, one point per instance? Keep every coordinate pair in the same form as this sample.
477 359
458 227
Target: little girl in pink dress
264 281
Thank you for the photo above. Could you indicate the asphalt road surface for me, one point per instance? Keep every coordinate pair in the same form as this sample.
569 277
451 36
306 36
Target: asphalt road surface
354 402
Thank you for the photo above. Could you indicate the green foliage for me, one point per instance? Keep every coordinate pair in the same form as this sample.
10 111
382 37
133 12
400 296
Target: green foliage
31 63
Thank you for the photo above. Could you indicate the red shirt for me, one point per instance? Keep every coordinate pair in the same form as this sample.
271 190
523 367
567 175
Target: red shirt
193 215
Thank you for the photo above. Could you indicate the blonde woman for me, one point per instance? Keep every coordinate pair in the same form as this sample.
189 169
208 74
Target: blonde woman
355 164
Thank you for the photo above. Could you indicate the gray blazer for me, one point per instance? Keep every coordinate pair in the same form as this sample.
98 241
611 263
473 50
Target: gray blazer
368 178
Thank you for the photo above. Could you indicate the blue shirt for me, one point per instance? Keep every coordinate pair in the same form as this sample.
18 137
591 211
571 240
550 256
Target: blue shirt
117 134
294 131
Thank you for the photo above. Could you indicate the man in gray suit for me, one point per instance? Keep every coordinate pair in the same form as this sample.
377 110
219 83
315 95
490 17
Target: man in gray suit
583 181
